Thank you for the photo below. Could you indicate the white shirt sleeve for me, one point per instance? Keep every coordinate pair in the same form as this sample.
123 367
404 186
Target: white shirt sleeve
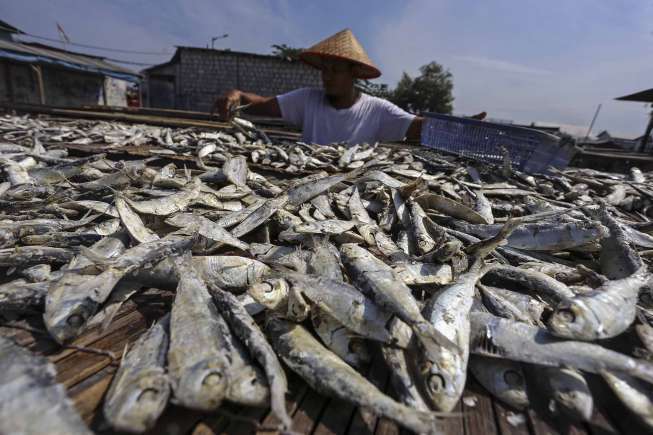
393 122
293 105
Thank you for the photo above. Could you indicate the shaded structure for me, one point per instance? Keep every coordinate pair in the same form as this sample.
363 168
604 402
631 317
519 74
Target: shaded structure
195 76
645 96
36 73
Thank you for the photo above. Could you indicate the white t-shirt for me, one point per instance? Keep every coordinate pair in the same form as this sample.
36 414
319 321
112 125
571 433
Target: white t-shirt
369 120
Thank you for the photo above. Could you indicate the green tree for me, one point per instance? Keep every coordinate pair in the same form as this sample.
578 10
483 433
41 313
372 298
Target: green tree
429 92
286 52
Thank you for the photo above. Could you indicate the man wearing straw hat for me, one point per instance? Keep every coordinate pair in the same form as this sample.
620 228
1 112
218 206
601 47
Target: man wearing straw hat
338 112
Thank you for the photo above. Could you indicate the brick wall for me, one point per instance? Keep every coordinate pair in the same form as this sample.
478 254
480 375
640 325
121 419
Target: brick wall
204 74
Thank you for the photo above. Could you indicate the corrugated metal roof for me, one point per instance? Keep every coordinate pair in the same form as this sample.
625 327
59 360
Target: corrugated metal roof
39 53
8 27
643 96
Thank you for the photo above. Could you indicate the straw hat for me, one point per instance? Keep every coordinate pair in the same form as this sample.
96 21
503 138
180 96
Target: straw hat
343 45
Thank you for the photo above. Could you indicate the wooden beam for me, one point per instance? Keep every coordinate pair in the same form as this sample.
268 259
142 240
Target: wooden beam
39 81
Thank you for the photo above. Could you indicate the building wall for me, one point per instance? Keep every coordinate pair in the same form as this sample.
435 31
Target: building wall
202 75
63 87
71 88
18 83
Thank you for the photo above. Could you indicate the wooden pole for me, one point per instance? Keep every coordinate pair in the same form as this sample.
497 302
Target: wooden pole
596 114
647 133
39 79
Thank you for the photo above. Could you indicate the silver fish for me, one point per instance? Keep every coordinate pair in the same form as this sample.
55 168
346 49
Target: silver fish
503 338
206 228
197 363
170 204
259 215
245 328
504 379
235 169
567 390
543 236
328 227
606 312
512 305
133 223
537 283
636 396
140 389
76 296
352 349
345 303
32 402
443 375
327 373
21 296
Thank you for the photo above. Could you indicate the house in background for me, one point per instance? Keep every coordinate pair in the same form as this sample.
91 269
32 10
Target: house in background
195 76
41 74
645 144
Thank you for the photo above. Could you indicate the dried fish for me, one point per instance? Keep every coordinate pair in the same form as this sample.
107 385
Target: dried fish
140 389
326 372
32 401
198 364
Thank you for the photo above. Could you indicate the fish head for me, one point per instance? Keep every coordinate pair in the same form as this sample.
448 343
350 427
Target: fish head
572 394
137 408
202 386
68 308
272 293
512 384
574 319
250 388
443 382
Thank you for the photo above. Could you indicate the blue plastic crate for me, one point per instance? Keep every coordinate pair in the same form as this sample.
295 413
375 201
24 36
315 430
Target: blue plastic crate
530 150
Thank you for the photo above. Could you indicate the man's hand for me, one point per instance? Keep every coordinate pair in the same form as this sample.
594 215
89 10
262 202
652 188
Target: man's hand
224 105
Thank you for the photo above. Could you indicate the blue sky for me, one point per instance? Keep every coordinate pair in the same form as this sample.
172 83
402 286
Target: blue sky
523 60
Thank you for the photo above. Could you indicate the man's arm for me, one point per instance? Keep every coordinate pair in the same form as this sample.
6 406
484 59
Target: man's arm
414 131
261 106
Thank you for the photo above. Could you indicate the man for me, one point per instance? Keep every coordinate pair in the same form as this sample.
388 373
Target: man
338 112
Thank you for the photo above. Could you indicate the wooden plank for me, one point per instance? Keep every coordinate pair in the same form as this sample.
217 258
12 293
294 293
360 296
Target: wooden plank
478 419
297 389
79 366
236 427
505 423
88 394
335 418
306 417
176 421
386 427
364 422
599 424
453 425
613 410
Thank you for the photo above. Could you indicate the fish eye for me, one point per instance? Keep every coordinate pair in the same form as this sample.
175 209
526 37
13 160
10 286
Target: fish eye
147 394
512 378
75 320
566 315
436 383
212 379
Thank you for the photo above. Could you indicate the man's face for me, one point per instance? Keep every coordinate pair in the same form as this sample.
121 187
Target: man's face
337 77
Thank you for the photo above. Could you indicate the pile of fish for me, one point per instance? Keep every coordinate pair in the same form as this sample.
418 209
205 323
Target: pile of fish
440 267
